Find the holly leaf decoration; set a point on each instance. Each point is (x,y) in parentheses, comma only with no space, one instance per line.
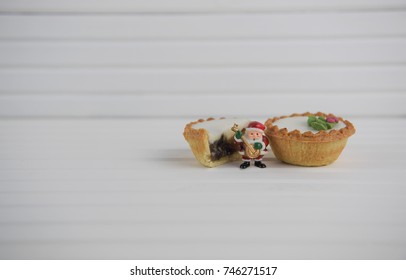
(319,123)
(311,119)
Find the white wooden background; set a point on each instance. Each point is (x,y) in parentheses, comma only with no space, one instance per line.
(94,96)
(143,58)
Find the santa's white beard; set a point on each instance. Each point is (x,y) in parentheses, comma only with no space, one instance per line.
(256,140)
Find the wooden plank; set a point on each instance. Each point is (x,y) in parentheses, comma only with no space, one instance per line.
(162,27)
(125,6)
(203,105)
(187,230)
(204,53)
(72,176)
(198,80)
(289,248)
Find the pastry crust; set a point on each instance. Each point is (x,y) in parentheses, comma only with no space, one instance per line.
(307,148)
(321,136)
(198,140)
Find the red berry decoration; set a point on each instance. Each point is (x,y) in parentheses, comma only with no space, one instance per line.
(322,123)
(332,120)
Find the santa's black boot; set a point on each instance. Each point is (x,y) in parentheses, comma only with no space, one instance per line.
(245,164)
(260,164)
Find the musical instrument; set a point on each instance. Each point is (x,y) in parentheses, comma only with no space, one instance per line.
(250,151)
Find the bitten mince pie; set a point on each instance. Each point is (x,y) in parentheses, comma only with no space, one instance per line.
(212,140)
(308,139)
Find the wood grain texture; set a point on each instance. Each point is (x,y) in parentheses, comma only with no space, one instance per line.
(95,189)
(201,105)
(181,80)
(176,6)
(253,53)
(205,26)
(137,58)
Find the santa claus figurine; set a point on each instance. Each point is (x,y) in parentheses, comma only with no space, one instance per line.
(253,144)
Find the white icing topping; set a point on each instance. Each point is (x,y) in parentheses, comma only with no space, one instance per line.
(300,123)
(216,128)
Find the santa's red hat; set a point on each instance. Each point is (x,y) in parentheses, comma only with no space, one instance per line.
(255,126)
